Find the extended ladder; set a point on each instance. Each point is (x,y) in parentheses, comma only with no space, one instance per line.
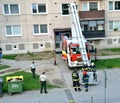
(77,33)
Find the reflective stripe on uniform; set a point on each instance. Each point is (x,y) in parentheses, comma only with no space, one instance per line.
(75,79)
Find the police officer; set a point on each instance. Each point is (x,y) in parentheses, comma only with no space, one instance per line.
(33,67)
(76,80)
(85,80)
(43,81)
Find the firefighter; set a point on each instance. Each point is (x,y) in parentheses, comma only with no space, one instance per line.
(85,80)
(64,55)
(85,68)
(92,66)
(76,80)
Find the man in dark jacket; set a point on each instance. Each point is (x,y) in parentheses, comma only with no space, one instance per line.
(85,80)
(76,80)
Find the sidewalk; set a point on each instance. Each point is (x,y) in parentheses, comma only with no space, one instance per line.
(53,96)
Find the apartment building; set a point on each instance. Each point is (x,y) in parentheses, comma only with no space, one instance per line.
(37,25)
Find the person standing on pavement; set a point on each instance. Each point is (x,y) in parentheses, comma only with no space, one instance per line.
(33,68)
(0,54)
(76,80)
(85,80)
(43,81)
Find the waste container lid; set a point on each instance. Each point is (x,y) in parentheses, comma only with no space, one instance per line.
(14,77)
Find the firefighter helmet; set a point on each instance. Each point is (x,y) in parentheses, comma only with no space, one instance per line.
(92,64)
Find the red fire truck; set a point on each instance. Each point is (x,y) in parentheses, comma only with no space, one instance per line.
(75,48)
(71,52)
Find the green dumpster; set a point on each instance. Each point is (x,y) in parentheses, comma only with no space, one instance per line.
(14,84)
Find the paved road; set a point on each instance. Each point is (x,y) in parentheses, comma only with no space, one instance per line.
(96,94)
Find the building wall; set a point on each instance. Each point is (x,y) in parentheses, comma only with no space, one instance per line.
(112,37)
(54,19)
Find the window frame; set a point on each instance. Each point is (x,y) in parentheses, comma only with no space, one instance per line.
(115,41)
(113,6)
(88,5)
(9,9)
(39,29)
(37,9)
(12,34)
(93,25)
(113,26)
(66,9)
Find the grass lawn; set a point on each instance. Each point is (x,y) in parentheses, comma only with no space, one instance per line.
(107,63)
(30,56)
(29,83)
(11,56)
(109,51)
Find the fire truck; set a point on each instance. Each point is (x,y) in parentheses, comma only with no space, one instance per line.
(72,54)
(76,49)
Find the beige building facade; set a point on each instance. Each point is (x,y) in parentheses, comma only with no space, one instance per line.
(37,25)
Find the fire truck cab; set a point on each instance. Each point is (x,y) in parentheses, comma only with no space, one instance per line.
(72,53)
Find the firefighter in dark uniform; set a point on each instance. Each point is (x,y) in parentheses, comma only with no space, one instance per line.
(85,80)
(92,66)
(76,80)
(85,67)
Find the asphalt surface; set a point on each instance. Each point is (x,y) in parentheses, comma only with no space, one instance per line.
(100,93)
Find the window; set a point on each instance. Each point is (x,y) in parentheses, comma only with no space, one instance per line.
(117,5)
(42,28)
(93,6)
(89,6)
(115,40)
(117,25)
(85,6)
(110,25)
(114,5)
(92,25)
(39,9)
(100,25)
(13,30)
(11,9)
(110,5)
(114,25)
(65,9)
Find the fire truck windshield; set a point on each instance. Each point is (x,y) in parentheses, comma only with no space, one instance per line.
(75,49)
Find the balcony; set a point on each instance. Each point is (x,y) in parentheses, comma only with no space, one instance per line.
(87,15)
(92,35)
(91,21)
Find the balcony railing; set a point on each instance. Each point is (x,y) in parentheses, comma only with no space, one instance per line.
(94,34)
(92,14)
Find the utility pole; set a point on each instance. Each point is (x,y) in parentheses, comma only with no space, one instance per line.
(91,99)
(54,53)
(105,86)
